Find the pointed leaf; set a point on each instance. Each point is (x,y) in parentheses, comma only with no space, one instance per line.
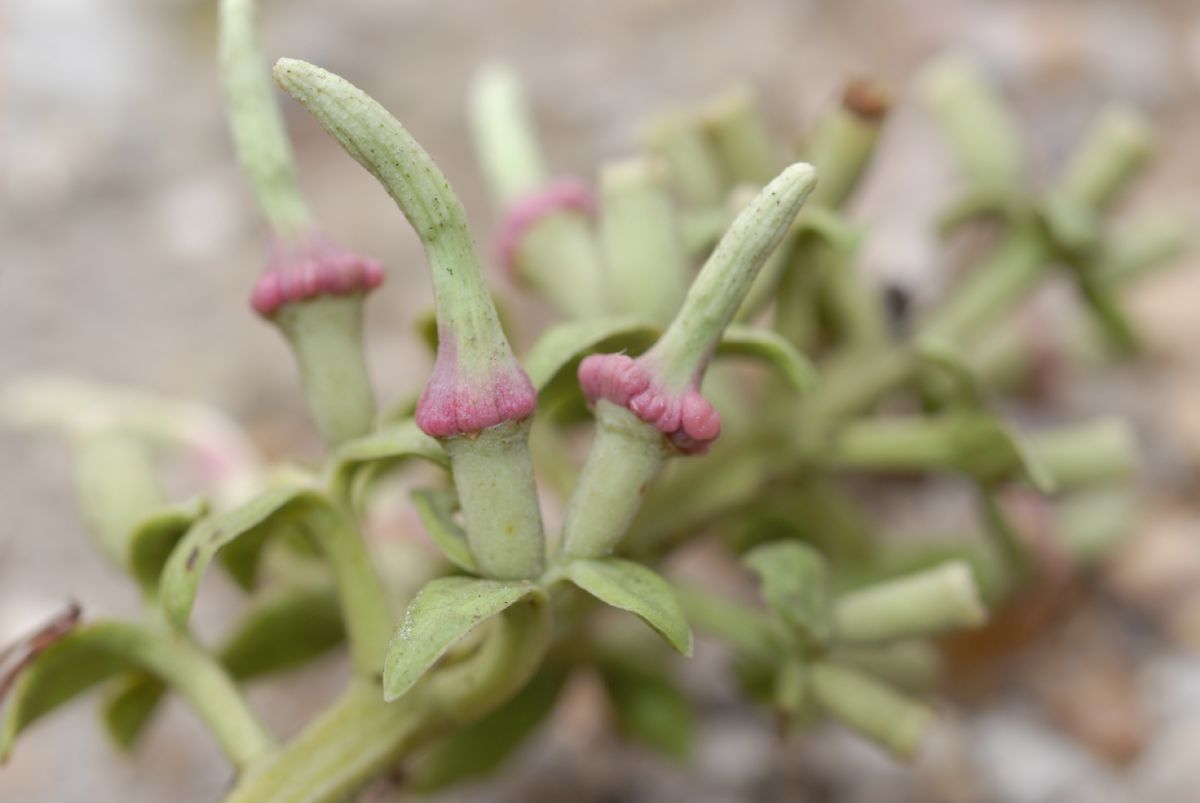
(650,708)
(129,705)
(389,445)
(444,611)
(436,509)
(482,747)
(633,587)
(282,631)
(154,539)
(275,508)
(773,349)
(794,583)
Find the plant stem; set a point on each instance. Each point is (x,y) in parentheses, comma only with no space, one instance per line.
(365,610)
(626,457)
(326,336)
(361,737)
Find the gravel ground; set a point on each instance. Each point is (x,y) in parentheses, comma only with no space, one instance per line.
(131,246)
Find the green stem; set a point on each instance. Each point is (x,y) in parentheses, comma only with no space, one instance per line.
(866,705)
(625,458)
(207,687)
(257,126)
(494,477)
(360,738)
(326,337)
(365,608)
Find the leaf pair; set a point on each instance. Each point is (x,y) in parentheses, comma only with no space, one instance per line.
(449,608)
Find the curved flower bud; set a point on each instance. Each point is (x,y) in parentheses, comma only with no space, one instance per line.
(312,289)
(546,237)
(479,399)
(651,407)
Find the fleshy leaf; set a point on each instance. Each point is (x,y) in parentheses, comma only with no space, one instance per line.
(566,343)
(444,611)
(649,706)
(390,444)
(878,712)
(482,747)
(633,587)
(795,585)
(129,705)
(773,349)
(280,631)
(436,509)
(253,520)
(154,539)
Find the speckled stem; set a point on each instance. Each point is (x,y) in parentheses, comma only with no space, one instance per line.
(624,461)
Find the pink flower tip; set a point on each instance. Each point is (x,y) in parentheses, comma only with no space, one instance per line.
(453,404)
(315,269)
(688,419)
(561,195)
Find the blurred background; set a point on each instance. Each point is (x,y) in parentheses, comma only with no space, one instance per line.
(130,246)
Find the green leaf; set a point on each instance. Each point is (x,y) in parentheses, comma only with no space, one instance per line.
(129,705)
(280,631)
(794,584)
(255,520)
(436,509)
(773,349)
(649,706)
(283,630)
(391,444)
(561,345)
(81,659)
(485,745)
(633,587)
(444,611)
(153,540)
